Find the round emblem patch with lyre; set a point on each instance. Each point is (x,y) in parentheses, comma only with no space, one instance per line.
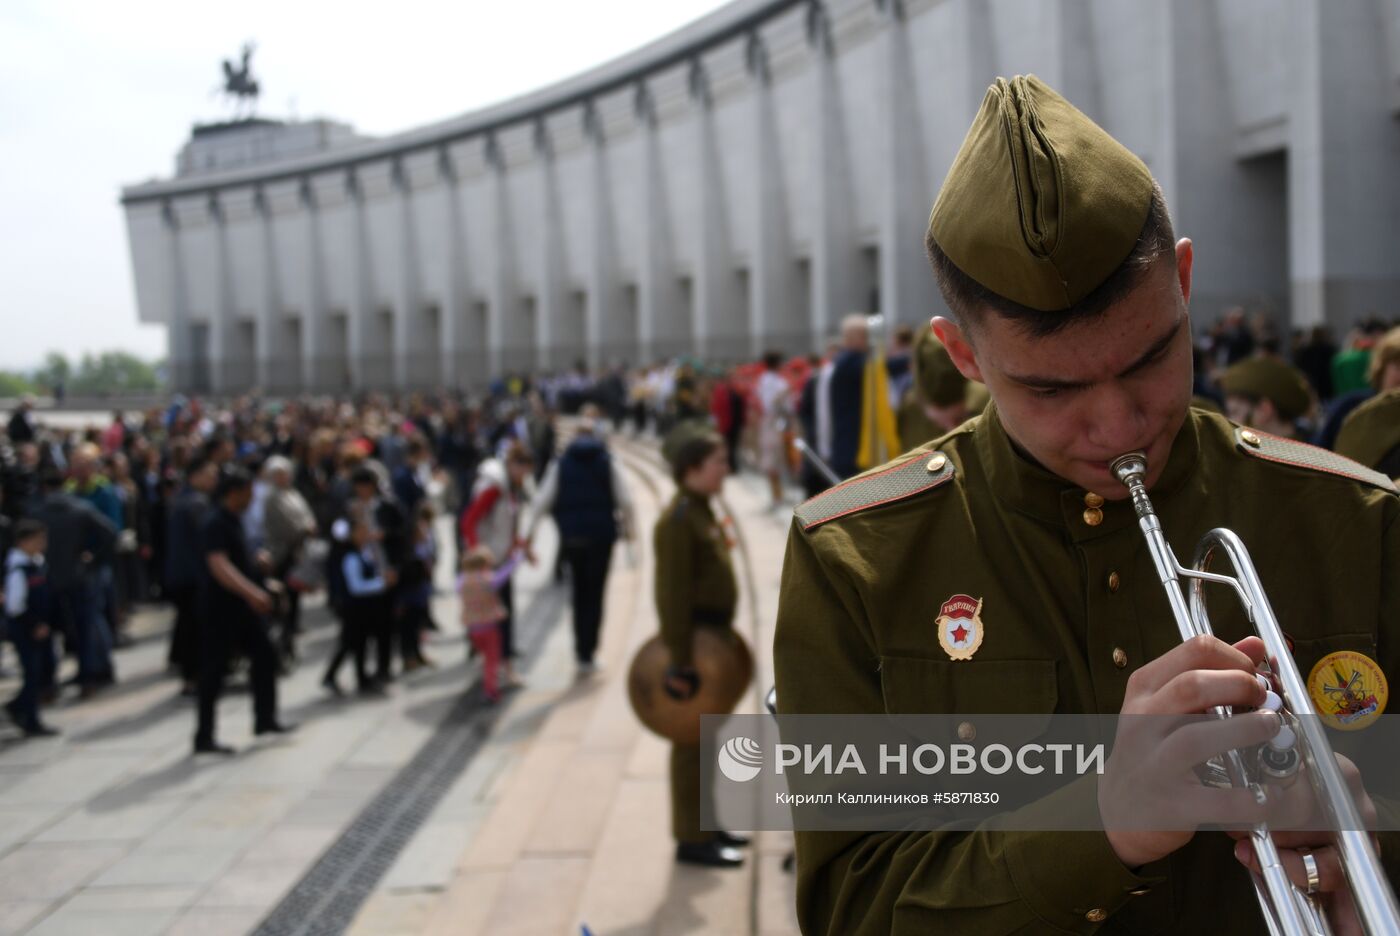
(1348,689)
(960,626)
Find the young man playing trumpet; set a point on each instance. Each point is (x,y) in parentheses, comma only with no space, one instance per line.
(1069,294)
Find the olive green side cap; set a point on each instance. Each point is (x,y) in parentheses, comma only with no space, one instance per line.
(1372,430)
(682,435)
(1269,379)
(939,380)
(1041,205)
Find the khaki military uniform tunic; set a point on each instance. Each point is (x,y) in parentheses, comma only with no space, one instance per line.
(695,587)
(1070,607)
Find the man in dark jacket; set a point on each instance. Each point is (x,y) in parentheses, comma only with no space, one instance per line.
(847,392)
(21,426)
(590,506)
(407,478)
(80,539)
(233,611)
(184,566)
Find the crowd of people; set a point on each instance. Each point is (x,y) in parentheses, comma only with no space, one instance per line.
(234,513)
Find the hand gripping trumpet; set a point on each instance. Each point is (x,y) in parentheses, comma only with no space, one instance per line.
(1288,910)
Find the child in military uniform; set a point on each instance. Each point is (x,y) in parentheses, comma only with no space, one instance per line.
(695,587)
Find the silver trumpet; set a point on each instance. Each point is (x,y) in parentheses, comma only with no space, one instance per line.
(1302,740)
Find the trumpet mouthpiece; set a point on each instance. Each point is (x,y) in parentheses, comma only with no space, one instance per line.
(1130,466)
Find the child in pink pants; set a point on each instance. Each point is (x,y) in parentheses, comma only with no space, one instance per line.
(483,611)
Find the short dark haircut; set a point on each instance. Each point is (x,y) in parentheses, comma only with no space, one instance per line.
(772,360)
(364,476)
(232,478)
(196,464)
(28,528)
(969,299)
(692,452)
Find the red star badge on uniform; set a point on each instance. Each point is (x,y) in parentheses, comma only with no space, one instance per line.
(960,633)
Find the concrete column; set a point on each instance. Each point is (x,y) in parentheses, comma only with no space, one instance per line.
(660,325)
(774,322)
(270,367)
(1234,211)
(1344,192)
(221,326)
(834,255)
(718,332)
(181,350)
(603,333)
(314,369)
(410,347)
(455,273)
(558,333)
(503,317)
(1075,73)
(360,324)
(955,106)
(907,290)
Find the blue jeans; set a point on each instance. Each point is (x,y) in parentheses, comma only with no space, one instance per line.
(79,609)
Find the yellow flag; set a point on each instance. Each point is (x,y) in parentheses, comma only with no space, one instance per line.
(879,439)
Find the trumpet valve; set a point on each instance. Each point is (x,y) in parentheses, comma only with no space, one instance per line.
(1278,757)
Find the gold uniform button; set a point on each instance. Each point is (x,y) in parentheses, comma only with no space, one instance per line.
(1113,581)
(1120,657)
(1249,438)
(1093,516)
(1093,500)
(967,731)
(936,463)
(1096,916)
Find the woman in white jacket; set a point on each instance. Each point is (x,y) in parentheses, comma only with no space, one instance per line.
(503,488)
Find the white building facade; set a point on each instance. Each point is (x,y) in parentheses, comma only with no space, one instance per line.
(743,183)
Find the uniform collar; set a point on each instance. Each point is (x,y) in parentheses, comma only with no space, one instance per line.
(698,501)
(1030,489)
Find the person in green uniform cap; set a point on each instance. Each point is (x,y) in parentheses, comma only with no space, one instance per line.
(1371,434)
(1266,394)
(695,587)
(940,398)
(1069,298)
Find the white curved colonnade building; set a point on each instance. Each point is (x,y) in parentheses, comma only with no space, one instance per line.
(746,181)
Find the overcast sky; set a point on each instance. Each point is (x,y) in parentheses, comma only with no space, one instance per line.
(95,95)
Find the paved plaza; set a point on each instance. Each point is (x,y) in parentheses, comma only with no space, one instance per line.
(421,812)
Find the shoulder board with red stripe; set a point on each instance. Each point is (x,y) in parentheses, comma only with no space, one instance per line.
(1301,455)
(905,478)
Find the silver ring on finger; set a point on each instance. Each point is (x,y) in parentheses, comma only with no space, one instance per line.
(1310,869)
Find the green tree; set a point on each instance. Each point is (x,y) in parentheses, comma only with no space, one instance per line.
(113,372)
(13,385)
(55,370)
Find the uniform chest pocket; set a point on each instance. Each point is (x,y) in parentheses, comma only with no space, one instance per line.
(1307,651)
(913,686)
